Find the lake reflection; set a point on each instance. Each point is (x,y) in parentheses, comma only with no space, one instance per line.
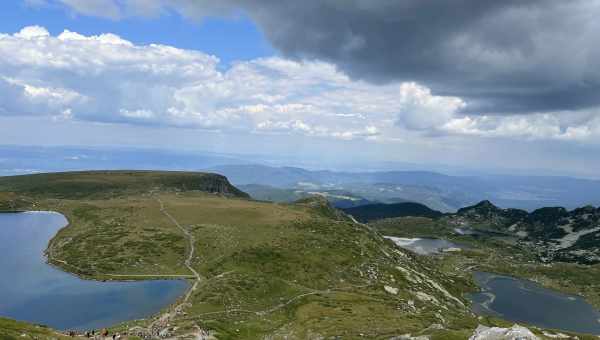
(525,301)
(33,291)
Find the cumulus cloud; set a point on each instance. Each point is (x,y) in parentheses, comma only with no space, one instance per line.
(423,111)
(540,126)
(106,78)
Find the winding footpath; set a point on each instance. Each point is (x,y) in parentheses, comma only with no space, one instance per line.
(163,320)
(191,240)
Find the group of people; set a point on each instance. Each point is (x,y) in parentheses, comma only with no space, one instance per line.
(94,335)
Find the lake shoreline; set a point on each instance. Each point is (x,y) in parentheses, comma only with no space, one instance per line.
(62,276)
(521,300)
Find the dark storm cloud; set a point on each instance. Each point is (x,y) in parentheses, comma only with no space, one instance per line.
(501,56)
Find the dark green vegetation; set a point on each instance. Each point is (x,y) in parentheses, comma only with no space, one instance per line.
(379,211)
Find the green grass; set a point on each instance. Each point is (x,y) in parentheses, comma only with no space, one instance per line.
(269,270)
(15,330)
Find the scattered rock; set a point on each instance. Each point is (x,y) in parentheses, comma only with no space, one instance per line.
(515,332)
(409,337)
(391,290)
(557,335)
(164,333)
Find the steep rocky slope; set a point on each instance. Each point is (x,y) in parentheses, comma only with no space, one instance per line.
(555,233)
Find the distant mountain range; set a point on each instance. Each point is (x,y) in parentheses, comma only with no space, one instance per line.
(343,189)
(337,198)
(437,191)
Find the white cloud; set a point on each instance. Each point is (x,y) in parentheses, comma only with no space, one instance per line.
(106,78)
(423,111)
(32,32)
(542,126)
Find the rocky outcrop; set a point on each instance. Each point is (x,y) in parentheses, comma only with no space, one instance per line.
(487,214)
(219,184)
(515,332)
(323,207)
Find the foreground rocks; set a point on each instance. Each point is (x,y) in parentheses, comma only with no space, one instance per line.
(515,332)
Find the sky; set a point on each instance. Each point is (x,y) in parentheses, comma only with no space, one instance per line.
(473,83)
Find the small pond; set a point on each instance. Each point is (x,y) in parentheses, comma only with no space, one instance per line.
(525,301)
(33,291)
(426,246)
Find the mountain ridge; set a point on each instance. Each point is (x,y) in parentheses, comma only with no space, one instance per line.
(370,212)
(81,184)
(558,234)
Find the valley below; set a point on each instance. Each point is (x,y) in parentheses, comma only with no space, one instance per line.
(264,270)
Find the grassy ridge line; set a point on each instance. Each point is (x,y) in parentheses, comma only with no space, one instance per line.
(103,184)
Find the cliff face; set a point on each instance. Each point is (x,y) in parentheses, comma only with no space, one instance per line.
(219,184)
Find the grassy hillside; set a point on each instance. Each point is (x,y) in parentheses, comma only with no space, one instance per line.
(266,270)
(97,184)
(13,330)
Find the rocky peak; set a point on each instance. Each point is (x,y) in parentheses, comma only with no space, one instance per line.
(322,206)
(547,216)
(485,212)
(482,208)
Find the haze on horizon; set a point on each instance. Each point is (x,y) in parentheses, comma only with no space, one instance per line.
(470,83)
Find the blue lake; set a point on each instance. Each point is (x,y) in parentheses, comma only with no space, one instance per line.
(33,291)
(525,301)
